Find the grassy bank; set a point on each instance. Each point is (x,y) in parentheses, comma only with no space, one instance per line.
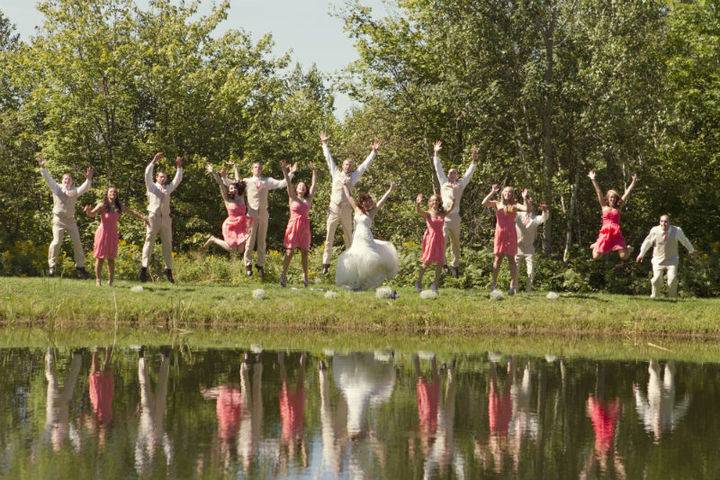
(57,304)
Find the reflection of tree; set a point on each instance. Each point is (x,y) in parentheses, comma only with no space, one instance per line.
(437,420)
(658,411)
(57,420)
(151,429)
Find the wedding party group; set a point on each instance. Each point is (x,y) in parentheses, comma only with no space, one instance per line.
(366,263)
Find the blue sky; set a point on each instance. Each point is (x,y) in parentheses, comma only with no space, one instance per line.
(304,26)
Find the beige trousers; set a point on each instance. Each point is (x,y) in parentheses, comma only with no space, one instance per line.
(657,280)
(161,224)
(451,229)
(529,265)
(338,216)
(257,238)
(60,225)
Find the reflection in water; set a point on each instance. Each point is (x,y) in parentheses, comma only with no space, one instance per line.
(658,411)
(57,417)
(352,415)
(151,428)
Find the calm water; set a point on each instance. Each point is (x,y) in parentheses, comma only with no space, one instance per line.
(166,413)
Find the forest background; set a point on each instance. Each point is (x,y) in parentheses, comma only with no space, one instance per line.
(547,89)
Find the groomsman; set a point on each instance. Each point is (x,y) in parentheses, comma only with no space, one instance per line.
(526,226)
(664,238)
(159,220)
(64,199)
(451,190)
(340,212)
(256,189)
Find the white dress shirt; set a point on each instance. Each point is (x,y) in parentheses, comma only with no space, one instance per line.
(665,251)
(449,190)
(159,195)
(526,225)
(64,199)
(337,194)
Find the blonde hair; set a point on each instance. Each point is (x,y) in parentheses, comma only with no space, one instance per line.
(440,208)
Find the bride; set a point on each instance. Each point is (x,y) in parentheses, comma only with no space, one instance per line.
(368,262)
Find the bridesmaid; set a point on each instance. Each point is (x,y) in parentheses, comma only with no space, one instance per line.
(433,241)
(236,227)
(106,235)
(611,239)
(505,233)
(297,232)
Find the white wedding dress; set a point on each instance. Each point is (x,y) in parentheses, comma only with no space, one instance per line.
(368,262)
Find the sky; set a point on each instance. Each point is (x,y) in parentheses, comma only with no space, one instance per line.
(305,27)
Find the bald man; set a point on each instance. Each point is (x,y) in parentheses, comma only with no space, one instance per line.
(64,198)
(664,239)
(452,188)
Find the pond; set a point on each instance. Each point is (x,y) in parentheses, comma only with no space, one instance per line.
(200,413)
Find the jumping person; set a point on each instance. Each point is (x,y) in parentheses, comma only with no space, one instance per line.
(107,238)
(526,225)
(159,220)
(297,233)
(257,188)
(451,190)
(610,239)
(506,244)
(664,239)
(368,262)
(236,227)
(433,240)
(64,198)
(340,211)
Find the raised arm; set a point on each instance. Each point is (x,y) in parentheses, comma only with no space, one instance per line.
(313,182)
(629,189)
(487,201)
(544,216)
(274,184)
(328,156)
(178,175)
(89,172)
(46,175)
(349,197)
(288,181)
(442,178)
(149,171)
(598,190)
(384,198)
(418,206)
(219,179)
(93,211)
(374,146)
(471,169)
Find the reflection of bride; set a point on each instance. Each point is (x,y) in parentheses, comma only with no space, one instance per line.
(368,262)
(363,381)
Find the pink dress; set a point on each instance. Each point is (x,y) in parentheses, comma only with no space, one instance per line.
(505,233)
(101,388)
(499,410)
(433,241)
(292,412)
(228,409)
(428,400)
(106,236)
(604,416)
(610,238)
(236,227)
(297,233)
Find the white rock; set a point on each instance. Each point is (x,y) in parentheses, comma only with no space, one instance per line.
(550,358)
(428,294)
(137,288)
(329,352)
(331,294)
(425,355)
(383,292)
(497,295)
(258,294)
(494,357)
(552,296)
(256,348)
(383,355)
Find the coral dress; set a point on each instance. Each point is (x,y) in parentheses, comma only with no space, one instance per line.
(236,227)
(433,241)
(101,389)
(428,401)
(228,409)
(499,410)
(106,236)
(297,232)
(610,238)
(604,417)
(505,233)
(292,412)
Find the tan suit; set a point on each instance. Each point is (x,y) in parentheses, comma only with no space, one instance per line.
(256,190)
(159,220)
(340,212)
(665,256)
(526,226)
(64,219)
(448,193)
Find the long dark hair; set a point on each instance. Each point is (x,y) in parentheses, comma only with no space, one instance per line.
(361,202)
(240,187)
(116,203)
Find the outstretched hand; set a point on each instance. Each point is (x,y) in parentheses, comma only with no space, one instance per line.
(208,168)
(638,259)
(437,146)
(89,172)
(495,188)
(158,156)
(633,178)
(591,174)
(474,153)
(324,138)
(375,145)
(283,166)
(41,161)
(293,168)
(179,160)
(419,199)
(525,193)
(392,186)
